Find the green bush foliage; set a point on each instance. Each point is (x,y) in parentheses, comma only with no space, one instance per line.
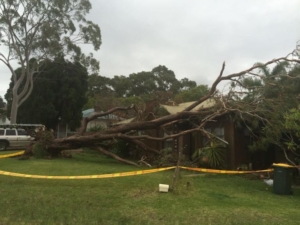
(43,139)
(39,151)
(212,156)
(96,128)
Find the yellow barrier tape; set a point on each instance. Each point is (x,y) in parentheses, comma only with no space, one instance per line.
(124,174)
(284,165)
(226,171)
(132,173)
(11,155)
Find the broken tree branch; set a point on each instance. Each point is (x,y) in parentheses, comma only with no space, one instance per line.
(86,120)
(105,152)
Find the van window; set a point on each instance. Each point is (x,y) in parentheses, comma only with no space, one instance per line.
(2,132)
(10,132)
(22,132)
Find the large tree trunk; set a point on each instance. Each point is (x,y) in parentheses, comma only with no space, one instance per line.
(14,110)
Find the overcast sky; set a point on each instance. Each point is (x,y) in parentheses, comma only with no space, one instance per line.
(190,37)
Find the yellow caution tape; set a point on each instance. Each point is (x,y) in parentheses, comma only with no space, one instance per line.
(124,174)
(283,165)
(132,173)
(12,154)
(226,171)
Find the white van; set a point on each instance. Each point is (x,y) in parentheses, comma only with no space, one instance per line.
(17,136)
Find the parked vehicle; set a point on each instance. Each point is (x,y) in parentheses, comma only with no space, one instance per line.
(19,135)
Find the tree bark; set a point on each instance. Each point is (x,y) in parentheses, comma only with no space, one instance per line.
(14,110)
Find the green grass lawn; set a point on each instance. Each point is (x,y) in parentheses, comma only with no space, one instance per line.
(209,199)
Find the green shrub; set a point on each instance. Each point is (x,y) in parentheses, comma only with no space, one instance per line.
(212,156)
(167,157)
(121,148)
(96,128)
(39,151)
(43,139)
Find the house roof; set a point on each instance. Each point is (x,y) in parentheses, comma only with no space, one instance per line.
(176,109)
(90,112)
(124,122)
(179,108)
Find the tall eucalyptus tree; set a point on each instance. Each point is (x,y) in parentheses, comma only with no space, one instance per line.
(34,30)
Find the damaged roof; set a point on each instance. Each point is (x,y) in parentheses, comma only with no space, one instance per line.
(90,112)
(182,106)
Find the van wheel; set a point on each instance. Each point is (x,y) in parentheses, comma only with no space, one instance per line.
(3,145)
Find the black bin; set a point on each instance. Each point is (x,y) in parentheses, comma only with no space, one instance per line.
(282,179)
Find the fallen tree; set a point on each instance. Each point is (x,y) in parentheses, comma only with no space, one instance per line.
(227,102)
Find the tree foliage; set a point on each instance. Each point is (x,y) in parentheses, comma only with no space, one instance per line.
(58,95)
(159,79)
(2,106)
(159,84)
(2,103)
(292,125)
(273,93)
(141,89)
(192,94)
(43,29)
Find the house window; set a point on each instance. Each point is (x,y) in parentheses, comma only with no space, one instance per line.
(217,132)
(168,143)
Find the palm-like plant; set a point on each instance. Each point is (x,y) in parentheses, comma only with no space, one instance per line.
(212,156)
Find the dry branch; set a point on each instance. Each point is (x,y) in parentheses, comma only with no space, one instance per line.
(105,152)
(142,161)
(86,120)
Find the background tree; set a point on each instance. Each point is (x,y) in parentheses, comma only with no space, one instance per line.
(272,92)
(121,85)
(160,79)
(187,84)
(2,106)
(99,85)
(166,80)
(158,85)
(292,124)
(192,94)
(43,30)
(2,103)
(57,96)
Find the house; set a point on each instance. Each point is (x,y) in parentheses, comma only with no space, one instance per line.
(3,118)
(236,139)
(102,121)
